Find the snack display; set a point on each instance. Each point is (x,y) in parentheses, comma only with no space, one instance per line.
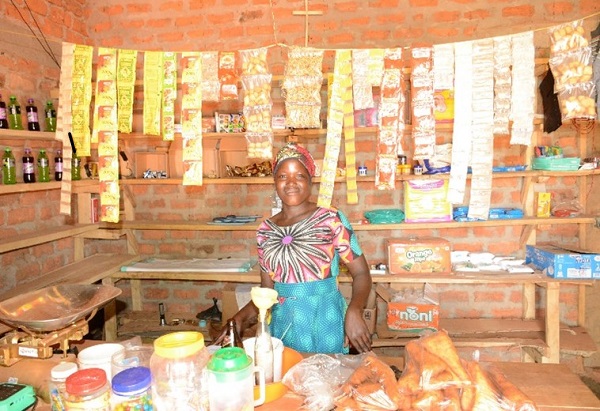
(571,65)
(423,103)
(227,76)
(302,87)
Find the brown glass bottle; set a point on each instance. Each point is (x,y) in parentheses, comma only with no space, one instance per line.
(232,338)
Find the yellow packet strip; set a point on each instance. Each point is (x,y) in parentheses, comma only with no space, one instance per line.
(349,141)
(64,120)
(169,95)
(126,75)
(106,86)
(335,119)
(191,117)
(153,81)
(81,98)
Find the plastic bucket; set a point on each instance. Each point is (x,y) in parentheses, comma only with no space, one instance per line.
(99,356)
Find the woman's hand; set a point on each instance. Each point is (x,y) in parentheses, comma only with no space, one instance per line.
(356,330)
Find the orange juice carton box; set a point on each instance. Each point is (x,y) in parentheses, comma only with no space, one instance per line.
(419,255)
(411,309)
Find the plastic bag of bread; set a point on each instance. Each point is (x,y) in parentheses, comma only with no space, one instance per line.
(318,378)
(372,386)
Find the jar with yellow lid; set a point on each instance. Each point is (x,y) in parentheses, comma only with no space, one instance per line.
(179,376)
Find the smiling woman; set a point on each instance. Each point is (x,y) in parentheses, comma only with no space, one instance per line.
(300,250)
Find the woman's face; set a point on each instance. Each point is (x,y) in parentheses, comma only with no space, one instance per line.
(293,183)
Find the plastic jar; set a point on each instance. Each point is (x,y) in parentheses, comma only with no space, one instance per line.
(88,390)
(178,367)
(57,385)
(131,389)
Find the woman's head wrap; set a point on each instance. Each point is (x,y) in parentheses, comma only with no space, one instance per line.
(293,150)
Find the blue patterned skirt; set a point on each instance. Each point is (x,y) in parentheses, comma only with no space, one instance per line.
(310,316)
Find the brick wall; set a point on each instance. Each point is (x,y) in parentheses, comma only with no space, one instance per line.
(26,70)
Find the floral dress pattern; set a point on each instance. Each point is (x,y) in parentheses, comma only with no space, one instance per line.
(303,261)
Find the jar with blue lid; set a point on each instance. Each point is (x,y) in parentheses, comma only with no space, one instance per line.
(131,389)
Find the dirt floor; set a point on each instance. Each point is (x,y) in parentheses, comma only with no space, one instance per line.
(591,378)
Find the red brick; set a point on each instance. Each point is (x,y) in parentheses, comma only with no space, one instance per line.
(556,8)
(423,3)
(518,11)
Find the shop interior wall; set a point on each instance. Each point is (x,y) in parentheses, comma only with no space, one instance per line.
(28,71)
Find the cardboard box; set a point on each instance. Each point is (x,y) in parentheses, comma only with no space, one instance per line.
(558,262)
(370,311)
(409,310)
(419,255)
(426,201)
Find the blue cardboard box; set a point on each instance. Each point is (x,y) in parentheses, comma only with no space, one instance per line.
(558,262)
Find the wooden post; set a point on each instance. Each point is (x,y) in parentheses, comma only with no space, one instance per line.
(306,12)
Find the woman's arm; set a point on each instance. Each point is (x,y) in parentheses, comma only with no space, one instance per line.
(354,324)
(246,317)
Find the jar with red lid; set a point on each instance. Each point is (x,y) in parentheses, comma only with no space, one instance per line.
(88,390)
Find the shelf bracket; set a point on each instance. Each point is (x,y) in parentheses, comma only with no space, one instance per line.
(597,224)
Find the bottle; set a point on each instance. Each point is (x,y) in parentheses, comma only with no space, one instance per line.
(28,167)
(50,116)
(232,338)
(161,313)
(9,175)
(33,122)
(43,166)
(263,349)
(75,168)
(58,166)
(15,122)
(57,385)
(3,114)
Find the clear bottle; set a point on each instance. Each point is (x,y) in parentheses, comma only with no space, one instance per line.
(88,390)
(58,165)
(28,167)
(9,169)
(178,367)
(3,114)
(57,386)
(43,166)
(15,122)
(75,168)
(232,338)
(263,349)
(33,121)
(50,116)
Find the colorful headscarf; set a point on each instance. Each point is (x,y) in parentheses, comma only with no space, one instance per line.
(293,150)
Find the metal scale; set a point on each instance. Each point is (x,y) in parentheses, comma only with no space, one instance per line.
(50,317)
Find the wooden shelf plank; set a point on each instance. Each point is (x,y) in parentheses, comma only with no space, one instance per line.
(203,226)
(28,188)
(27,135)
(44,236)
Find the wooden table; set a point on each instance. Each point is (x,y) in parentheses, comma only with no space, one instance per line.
(553,387)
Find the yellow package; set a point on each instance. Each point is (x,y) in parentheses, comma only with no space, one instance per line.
(425,201)
(543,205)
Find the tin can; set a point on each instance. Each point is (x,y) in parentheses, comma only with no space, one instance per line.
(418,170)
(362,171)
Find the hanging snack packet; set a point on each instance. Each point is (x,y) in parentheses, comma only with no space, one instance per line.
(227,75)
(302,87)
(210,76)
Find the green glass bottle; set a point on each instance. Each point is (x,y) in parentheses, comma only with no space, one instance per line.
(50,116)
(15,122)
(43,167)
(75,168)
(9,167)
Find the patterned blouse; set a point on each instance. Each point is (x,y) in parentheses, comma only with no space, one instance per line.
(308,250)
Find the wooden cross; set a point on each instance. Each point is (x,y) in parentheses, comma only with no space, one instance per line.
(306,12)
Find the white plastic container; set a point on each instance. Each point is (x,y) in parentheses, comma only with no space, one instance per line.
(99,356)
(57,387)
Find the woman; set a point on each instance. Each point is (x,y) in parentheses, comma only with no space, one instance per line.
(299,251)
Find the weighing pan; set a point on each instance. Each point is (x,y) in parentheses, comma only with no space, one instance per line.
(53,308)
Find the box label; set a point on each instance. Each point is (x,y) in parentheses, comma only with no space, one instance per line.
(406,316)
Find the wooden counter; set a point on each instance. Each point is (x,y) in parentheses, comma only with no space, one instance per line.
(553,387)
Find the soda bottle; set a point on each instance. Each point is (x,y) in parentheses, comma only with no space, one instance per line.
(3,114)
(15,121)
(58,166)
(232,338)
(75,168)
(9,174)
(43,167)
(50,116)
(28,167)
(33,122)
